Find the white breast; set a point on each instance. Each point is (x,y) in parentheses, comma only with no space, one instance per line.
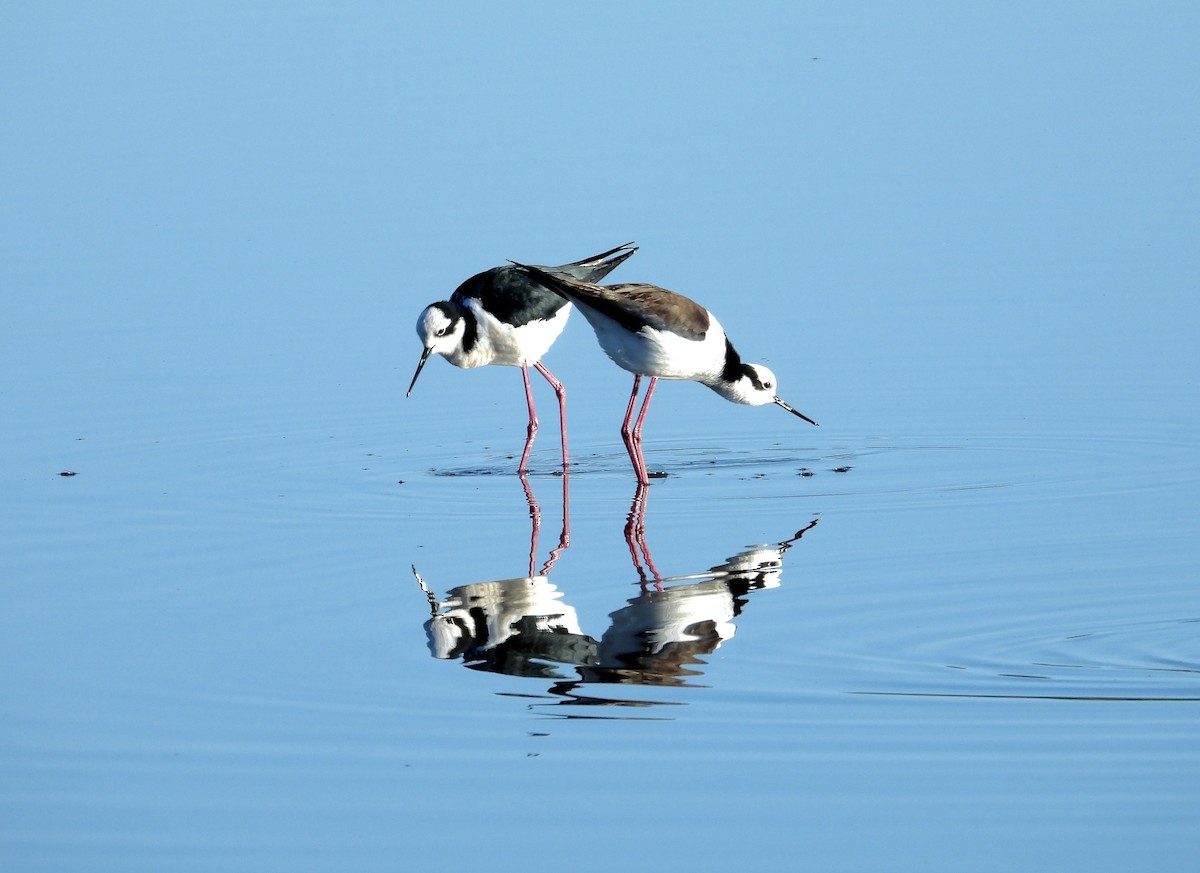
(661,353)
(501,344)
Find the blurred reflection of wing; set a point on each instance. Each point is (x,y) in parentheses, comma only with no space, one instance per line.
(659,638)
(663,634)
(656,637)
(509,626)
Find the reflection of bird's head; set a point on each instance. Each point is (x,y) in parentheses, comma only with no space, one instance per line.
(480,616)
(448,637)
(754,560)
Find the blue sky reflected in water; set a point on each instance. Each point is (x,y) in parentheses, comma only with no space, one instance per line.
(963,236)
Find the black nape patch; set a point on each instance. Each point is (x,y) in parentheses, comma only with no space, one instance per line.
(734,368)
(455,313)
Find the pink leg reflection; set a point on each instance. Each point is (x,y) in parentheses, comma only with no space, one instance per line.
(635,538)
(535,515)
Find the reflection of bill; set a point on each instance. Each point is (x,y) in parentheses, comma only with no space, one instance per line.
(662,630)
(523,627)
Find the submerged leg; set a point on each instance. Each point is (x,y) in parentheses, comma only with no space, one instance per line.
(635,538)
(535,516)
(564,539)
(561,393)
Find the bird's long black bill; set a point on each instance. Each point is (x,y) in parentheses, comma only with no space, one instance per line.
(779,402)
(424,358)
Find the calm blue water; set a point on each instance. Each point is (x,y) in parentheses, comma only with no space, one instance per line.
(283,618)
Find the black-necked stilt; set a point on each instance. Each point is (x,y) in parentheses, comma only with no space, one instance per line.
(504,316)
(653,332)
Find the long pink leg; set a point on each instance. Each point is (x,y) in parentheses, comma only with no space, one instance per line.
(561,393)
(636,435)
(627,432)
(533,423)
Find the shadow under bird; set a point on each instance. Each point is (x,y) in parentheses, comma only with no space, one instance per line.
(653,332)
(507,317)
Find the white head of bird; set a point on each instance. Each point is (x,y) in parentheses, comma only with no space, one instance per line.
(442,329)
(756,386)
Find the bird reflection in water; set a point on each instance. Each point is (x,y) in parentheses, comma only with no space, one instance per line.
(523,627)
(513,625)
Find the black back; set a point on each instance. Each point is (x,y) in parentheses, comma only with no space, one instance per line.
(509,295)
(516,298)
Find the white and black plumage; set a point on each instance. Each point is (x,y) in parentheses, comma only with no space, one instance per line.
(506,317)
(653,332)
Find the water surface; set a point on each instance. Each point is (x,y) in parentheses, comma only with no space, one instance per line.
(281,617)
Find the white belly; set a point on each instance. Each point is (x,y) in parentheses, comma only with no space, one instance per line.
(502,345)
(662,354)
